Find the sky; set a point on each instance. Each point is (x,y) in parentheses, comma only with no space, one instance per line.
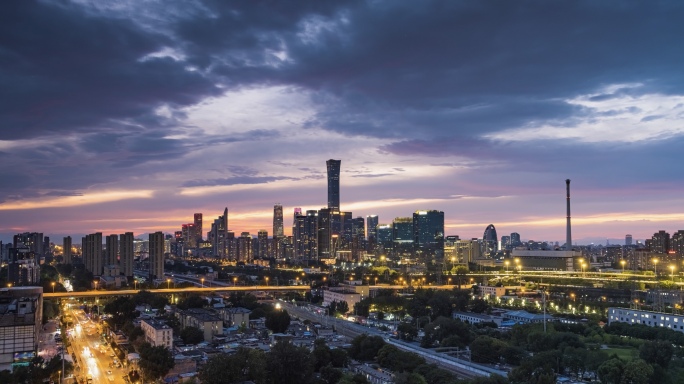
(133,115)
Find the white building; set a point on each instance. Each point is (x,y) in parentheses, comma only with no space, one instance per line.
(350,297)
(475,318)
(652,319)
(157,333)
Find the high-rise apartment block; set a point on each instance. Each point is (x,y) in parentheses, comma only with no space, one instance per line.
(156,258)
(628,239)
(66,250)
(92,253)
(278,229)
(126,253)
(111,250)
(660,242)
(245,247)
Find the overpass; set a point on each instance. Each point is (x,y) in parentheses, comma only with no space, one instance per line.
(168,291)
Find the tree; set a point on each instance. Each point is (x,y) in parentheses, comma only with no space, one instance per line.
(637,372)
(479,306)
(287,364)
(365,347)
(657,352)
(610,372)
(155,362)
(278,321)
(407,331)
(409,378)
(321,354)
(485,349)
(331,375)
(245,365)
(192,335)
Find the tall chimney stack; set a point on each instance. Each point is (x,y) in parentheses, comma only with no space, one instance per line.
(568,235)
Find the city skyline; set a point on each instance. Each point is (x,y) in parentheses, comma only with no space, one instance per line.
(131,118)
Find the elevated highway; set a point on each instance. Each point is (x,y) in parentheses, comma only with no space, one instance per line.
(168,291)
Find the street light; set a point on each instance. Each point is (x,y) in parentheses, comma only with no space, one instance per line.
(135,284)
(202,280)
(95,282)
(168,283)
(623,262)
(506,264)
(234,281)
(53,287)
(672,273)
(267,280)
(376,280)
(655,268)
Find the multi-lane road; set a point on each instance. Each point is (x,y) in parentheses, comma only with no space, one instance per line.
(93,357)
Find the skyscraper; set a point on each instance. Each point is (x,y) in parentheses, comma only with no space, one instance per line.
(628,239)
(199,236)
(490,240)
(156,258)
(515,239)
(111,250)
(278,231)
(219,234)
(428,231)
(126,253)
(66,250)
(402,235)
(372,231)
(333,184)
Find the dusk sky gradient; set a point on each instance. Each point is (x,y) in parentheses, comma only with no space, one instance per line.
(133,115)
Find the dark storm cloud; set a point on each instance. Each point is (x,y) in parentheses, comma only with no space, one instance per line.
(63,70)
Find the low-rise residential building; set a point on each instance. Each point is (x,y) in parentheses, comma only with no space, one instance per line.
(234,316)
(157,333)
(525,317)
(373,375)
(207,321)
(650,318)
(474,318)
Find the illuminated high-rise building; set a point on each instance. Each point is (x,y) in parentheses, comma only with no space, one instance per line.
(262,244)
(245,247)
(126,253)
(372,231)
(428,232)
(66,250)
(111,250)
(305,236)
(660,242)
(278,230)
(402,236)
(333,184)
(156,258)
(199,236)
(385,241)
(219,235)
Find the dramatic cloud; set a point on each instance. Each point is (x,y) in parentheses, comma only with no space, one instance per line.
(147,111)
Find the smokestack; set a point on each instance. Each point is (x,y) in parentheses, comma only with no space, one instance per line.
(568,235)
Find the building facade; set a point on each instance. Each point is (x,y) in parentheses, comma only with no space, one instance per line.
(157,333)
(156,258)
